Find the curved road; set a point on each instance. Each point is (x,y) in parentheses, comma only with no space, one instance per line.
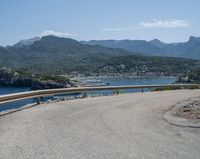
(127,126)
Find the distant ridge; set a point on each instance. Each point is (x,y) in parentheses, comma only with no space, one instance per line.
(155,47)
(189,49)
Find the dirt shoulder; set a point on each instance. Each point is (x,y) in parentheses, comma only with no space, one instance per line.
(185,113)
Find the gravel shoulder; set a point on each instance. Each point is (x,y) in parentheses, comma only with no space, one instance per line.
(190,109)
(185,113)
(126,126)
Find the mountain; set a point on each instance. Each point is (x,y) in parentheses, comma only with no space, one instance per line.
(157,43)
(140,46)
(55,54)
(189,49)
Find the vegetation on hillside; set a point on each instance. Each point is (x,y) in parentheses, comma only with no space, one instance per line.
(193,76)
(54,55)
(9,77)
(148,64)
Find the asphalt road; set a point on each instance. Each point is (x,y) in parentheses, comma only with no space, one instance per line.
(115,127)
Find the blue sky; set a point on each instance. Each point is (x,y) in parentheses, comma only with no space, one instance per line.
(167,20)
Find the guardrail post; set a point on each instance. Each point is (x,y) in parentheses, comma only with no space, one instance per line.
(84,94)
(38,100)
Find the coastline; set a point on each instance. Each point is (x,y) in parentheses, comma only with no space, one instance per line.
(122,80)
(112,81)
(122,76)
(12,78)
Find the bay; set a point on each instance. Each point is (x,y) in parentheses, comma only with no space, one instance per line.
(111,81)
(118,81)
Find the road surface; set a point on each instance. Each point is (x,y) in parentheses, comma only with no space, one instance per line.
(127,126)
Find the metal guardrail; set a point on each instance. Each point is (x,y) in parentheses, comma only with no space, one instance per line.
(48,92)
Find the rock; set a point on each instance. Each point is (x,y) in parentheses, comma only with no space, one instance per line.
(191,110)
(15,79)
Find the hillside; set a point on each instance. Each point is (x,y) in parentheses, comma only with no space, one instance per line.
(189,49)
(193,76)
(149,65)
(12,78)
(57,55)
(54,54)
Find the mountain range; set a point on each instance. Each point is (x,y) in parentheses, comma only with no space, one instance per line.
(189,49)
(54,54)
(51,54)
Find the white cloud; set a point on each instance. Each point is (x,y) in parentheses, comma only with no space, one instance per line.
(55,33)
(165,24)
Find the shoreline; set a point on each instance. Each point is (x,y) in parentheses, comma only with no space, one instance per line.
(111,77)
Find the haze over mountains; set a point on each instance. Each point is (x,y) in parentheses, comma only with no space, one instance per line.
(26,42)
(189,49)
